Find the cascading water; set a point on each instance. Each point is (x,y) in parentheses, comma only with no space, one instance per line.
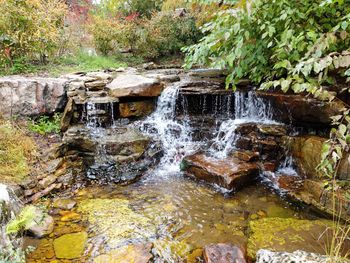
(174,134)
(248,109)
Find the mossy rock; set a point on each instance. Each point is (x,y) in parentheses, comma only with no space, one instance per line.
(116,221)
(70,246)
(171,249)
(287,234)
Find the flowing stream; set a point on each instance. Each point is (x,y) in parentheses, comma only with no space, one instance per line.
(177,215)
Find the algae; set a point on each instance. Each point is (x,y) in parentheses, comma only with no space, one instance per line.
(286,234)
(114,219)
(70,246)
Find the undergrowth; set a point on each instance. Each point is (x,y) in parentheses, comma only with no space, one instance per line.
(16,151)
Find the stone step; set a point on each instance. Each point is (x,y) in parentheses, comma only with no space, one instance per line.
(230,173)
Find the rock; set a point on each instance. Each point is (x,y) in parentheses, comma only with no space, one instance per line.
(118,223)
(195,256)
(229,173)
(207,73)
(132,85)
(31,96)
(272,129)
(223,253)
(67,115)
(344,168)
(65,204)
(299,256)
(300,109)
(70,216)
(96,85)
(43,224)
(70,246)
(313,192)
(306,151)
(47,181)
(136,109)
(99,75)
(287,234)
(136,253)
(290,183)
(127,143)
(246,156)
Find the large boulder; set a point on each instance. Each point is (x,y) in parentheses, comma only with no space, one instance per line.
(230,173)
(43,224)
(133,85)
(31,96)
(306,151)
(301,109)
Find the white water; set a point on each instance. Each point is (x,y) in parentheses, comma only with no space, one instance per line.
(248,109)
(175,135)
(4,194)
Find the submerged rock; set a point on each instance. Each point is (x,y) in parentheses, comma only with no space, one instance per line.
(116,220)
(288,234)
(66,204)
(70,246)
(135,253)
(299,256)
(223,253)
(230,173)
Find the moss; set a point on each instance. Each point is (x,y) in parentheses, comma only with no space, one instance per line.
(16,151)
(116,221)
(70,246)
(285,234)
(170,249)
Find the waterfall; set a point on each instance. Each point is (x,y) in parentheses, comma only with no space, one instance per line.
(248,109)
(175,135)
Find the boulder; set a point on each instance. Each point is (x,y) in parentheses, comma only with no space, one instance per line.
(288,234)
(298,256)
(301,109)
(230,173)
(313,192)
(42,225)
(223,253)
(136,108)
(136,253)
(132,85)
(31,96)
(70,246)
(306,151)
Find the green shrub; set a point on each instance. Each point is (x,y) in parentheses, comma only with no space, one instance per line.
(30,29)
(45,124)
(23,221)
(161,35)
(165,34)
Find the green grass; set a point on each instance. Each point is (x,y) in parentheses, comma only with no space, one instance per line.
(70,64)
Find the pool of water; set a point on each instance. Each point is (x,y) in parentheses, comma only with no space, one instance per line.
(174,213)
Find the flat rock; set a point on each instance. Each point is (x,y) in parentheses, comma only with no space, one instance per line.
(132,85)
(223,253)
(136,253)
(70,246)
(230,173)
(66,204)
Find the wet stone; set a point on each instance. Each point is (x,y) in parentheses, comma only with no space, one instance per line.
(70,246)
(66,204)
(229,173)
(223,253)
(136,253)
